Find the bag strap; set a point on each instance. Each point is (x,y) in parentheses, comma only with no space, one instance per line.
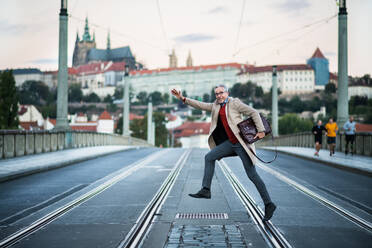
(266,162)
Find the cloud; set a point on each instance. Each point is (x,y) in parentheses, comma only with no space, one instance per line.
(9,28)
(44,61)
(218,10)
(293,5)
(191,38)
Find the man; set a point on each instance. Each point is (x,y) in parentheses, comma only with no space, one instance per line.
(318,133)
(331,135)
(224,140)
(350,130)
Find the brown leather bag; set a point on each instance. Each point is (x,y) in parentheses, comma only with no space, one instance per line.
(248,131)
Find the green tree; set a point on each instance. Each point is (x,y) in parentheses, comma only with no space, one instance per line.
(166,97)
(156,98)
(142,98)
(92,97)
(108,99)
(75,94)
(118,94)
(206,97)
(33,92)
(330,88)
(291,123)
(8,101)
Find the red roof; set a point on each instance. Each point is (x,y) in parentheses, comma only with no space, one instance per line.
(363,127)
(29,125)
(333,76)
(318,54)
(269,68)
(192,128)
(105,116)
(134,116)
(171,117)
(100,67)
(189,68)
(71,71)
(92,128)
(22,110)
(53,121)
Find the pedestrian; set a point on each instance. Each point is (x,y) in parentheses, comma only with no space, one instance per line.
(350,130)
(332,128)
(318,134)
(224,140)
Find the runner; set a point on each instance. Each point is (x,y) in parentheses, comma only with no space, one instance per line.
(350,130)
(318,134)
(331,135)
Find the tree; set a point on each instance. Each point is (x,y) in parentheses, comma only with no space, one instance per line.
(92,97)
(75,94)
(108,99)
(291,123)
(142,98)
(156,98)
(166,98)
(8,101)
(330,88)
(118,94)
(33,92)
(258,92)
(206,97)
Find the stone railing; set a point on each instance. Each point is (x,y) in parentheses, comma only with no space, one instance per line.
(14,143)
(362,145)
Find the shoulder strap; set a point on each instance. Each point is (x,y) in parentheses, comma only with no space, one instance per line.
(266,162)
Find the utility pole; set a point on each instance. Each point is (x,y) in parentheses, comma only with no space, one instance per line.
(342,88)
(149,121)
(126,131)
(62,90)
(274,99)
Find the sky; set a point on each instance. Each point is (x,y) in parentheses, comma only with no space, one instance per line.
(260,32)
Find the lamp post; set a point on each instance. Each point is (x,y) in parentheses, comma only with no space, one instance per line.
(126,131)
(274,98)
(62,90)
(342,88)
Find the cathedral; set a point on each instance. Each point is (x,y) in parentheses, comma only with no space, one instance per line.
(85,51)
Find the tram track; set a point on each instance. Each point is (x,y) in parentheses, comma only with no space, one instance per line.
(52,216)
(364,224)
(139,231)
(270,233)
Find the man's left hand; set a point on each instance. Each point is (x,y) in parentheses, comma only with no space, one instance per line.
(260,135)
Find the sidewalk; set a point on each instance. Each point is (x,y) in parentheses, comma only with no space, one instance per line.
(357,163)
(26,165)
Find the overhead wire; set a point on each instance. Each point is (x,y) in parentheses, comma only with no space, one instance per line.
(162,25)
(239,27)
(285,33)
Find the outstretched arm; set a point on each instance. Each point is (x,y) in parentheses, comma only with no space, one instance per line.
(194,103)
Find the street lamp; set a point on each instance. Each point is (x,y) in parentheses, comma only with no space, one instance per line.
(126,131)
(274,98)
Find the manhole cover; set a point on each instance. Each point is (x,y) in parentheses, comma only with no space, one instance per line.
(214,216)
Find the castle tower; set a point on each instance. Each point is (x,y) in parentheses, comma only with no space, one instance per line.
(108,41)
(321,67)
(83,46)
(189,60)
(173,60)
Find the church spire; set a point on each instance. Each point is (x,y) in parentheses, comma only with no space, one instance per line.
(189,60)
(173,60)
(86,35)
(77,36)
(108,41)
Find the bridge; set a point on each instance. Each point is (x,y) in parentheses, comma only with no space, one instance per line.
(122,193)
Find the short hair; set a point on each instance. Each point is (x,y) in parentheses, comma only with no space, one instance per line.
(225,88)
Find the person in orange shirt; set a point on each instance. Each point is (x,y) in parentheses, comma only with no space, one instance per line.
(331,135)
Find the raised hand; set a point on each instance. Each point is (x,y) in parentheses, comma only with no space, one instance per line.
(177,93)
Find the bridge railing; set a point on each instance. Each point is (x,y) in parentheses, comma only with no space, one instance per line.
(362,144)
(14,143)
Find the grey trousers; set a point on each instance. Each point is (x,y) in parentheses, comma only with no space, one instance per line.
(225,149)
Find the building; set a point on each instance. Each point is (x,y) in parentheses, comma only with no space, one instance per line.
(360,90)
(100,77)
(193,134)
(320,65)
(195,80)
(85,51)
(105,123)
(27,74)
(292,79)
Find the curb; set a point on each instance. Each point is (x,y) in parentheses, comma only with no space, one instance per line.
(329,163)
(55,165)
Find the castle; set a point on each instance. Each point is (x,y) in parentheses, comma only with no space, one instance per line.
(85,51)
